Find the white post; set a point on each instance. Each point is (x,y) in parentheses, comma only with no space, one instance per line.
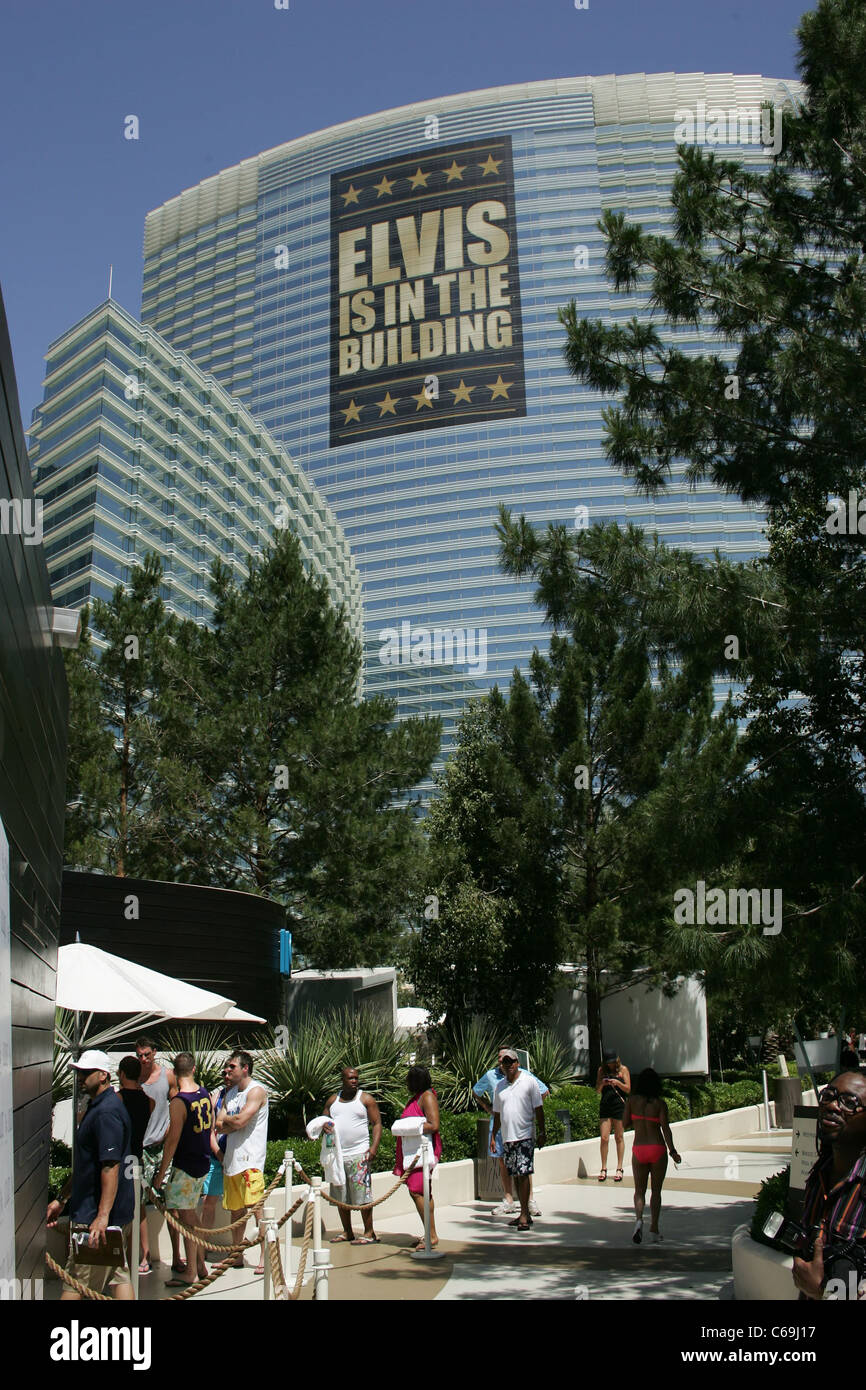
(288,1159)
(134,1253)
(766,1100)
(428,1253)
(266,1228)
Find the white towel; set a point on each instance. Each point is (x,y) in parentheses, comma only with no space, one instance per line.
(330,1154)
(414,1126)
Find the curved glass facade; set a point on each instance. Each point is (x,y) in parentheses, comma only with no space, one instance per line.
(248,274)
(136,449)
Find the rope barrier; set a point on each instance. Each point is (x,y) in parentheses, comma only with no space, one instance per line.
(362,1206)
(159,1199)
(75,1283)
(308,1237)
(278,1279)
(187,1231)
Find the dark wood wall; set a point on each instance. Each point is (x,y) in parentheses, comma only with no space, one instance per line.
(221,940)
(33,716)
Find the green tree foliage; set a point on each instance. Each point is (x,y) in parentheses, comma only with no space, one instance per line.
(125,789)
(571,811)
(772,264)
(241,756)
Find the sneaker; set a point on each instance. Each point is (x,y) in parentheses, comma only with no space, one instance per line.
(533,1207)
(507,1207)
(638,1231)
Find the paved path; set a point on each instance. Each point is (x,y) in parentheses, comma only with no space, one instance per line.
(581,1247)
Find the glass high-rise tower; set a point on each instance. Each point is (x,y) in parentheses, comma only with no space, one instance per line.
(135,449)
(383,295)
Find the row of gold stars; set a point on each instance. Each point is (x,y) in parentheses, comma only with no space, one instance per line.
(454,173)
(388,406)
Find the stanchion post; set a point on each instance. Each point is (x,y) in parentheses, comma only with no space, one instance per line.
(135,1241)
(266,1230)
(428,1253)
(766,1101)
(289,1160)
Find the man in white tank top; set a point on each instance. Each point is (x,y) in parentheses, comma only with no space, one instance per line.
(244,1119)
(354,1112)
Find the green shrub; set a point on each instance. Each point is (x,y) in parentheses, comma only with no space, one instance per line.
(678,1107)
(582,1104)
(57,1179)
(60,1154)
(459,1134)
(714,1097)
(772,1197)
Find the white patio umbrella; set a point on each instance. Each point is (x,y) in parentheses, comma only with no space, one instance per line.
(91,981)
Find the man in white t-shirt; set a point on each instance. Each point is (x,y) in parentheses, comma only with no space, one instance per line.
(244,1119)
(517,1111)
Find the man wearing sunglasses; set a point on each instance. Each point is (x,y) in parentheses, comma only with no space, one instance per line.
(835,1200)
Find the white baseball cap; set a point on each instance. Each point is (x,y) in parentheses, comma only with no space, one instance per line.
(93,1061)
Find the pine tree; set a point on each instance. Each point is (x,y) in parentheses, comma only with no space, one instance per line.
(773,264)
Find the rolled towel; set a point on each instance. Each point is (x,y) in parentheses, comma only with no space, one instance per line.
(315,1127)
(413,1127)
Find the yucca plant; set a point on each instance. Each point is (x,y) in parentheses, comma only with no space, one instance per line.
(61,1074)
(469,1050)
(301,1075)
(367,1041)
(548,1058)
(209,1043)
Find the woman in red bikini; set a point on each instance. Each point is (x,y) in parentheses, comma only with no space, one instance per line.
(653,1141)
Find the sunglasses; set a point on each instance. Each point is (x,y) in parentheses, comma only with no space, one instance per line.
(847,1100)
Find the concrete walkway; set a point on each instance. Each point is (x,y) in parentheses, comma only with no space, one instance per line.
(581,1247)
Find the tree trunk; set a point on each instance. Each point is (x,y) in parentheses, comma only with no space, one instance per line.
(593,1011)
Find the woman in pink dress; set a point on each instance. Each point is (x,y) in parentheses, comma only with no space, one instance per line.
(423,1103)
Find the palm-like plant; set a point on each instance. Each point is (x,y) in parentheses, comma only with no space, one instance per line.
(61,1075)
(301,1075)
(470,1049)
(209,1044)
(548,1058)
(367,1041)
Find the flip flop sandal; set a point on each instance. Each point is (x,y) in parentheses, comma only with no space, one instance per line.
(519,1225)
(618,1178)
(338,1240)
(145,1268)
(366,1240)
(177,1284)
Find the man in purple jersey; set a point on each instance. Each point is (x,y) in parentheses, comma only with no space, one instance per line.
(187,1145)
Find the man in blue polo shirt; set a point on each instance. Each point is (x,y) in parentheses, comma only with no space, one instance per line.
(102,1189)
(485,1089)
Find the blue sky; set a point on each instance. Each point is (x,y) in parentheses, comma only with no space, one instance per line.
(215,81)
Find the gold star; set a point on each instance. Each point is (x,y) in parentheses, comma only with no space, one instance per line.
(418,180)
(351,196)
(463,392)
(385,186)
(490,165)
(455,171)
(423,399)
(499,388)
(388,406)
(351,413)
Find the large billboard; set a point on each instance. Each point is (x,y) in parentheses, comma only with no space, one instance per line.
(425,296)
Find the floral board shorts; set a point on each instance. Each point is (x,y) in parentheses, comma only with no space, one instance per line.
(519,1157)
(359,1182)
(182,1192)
